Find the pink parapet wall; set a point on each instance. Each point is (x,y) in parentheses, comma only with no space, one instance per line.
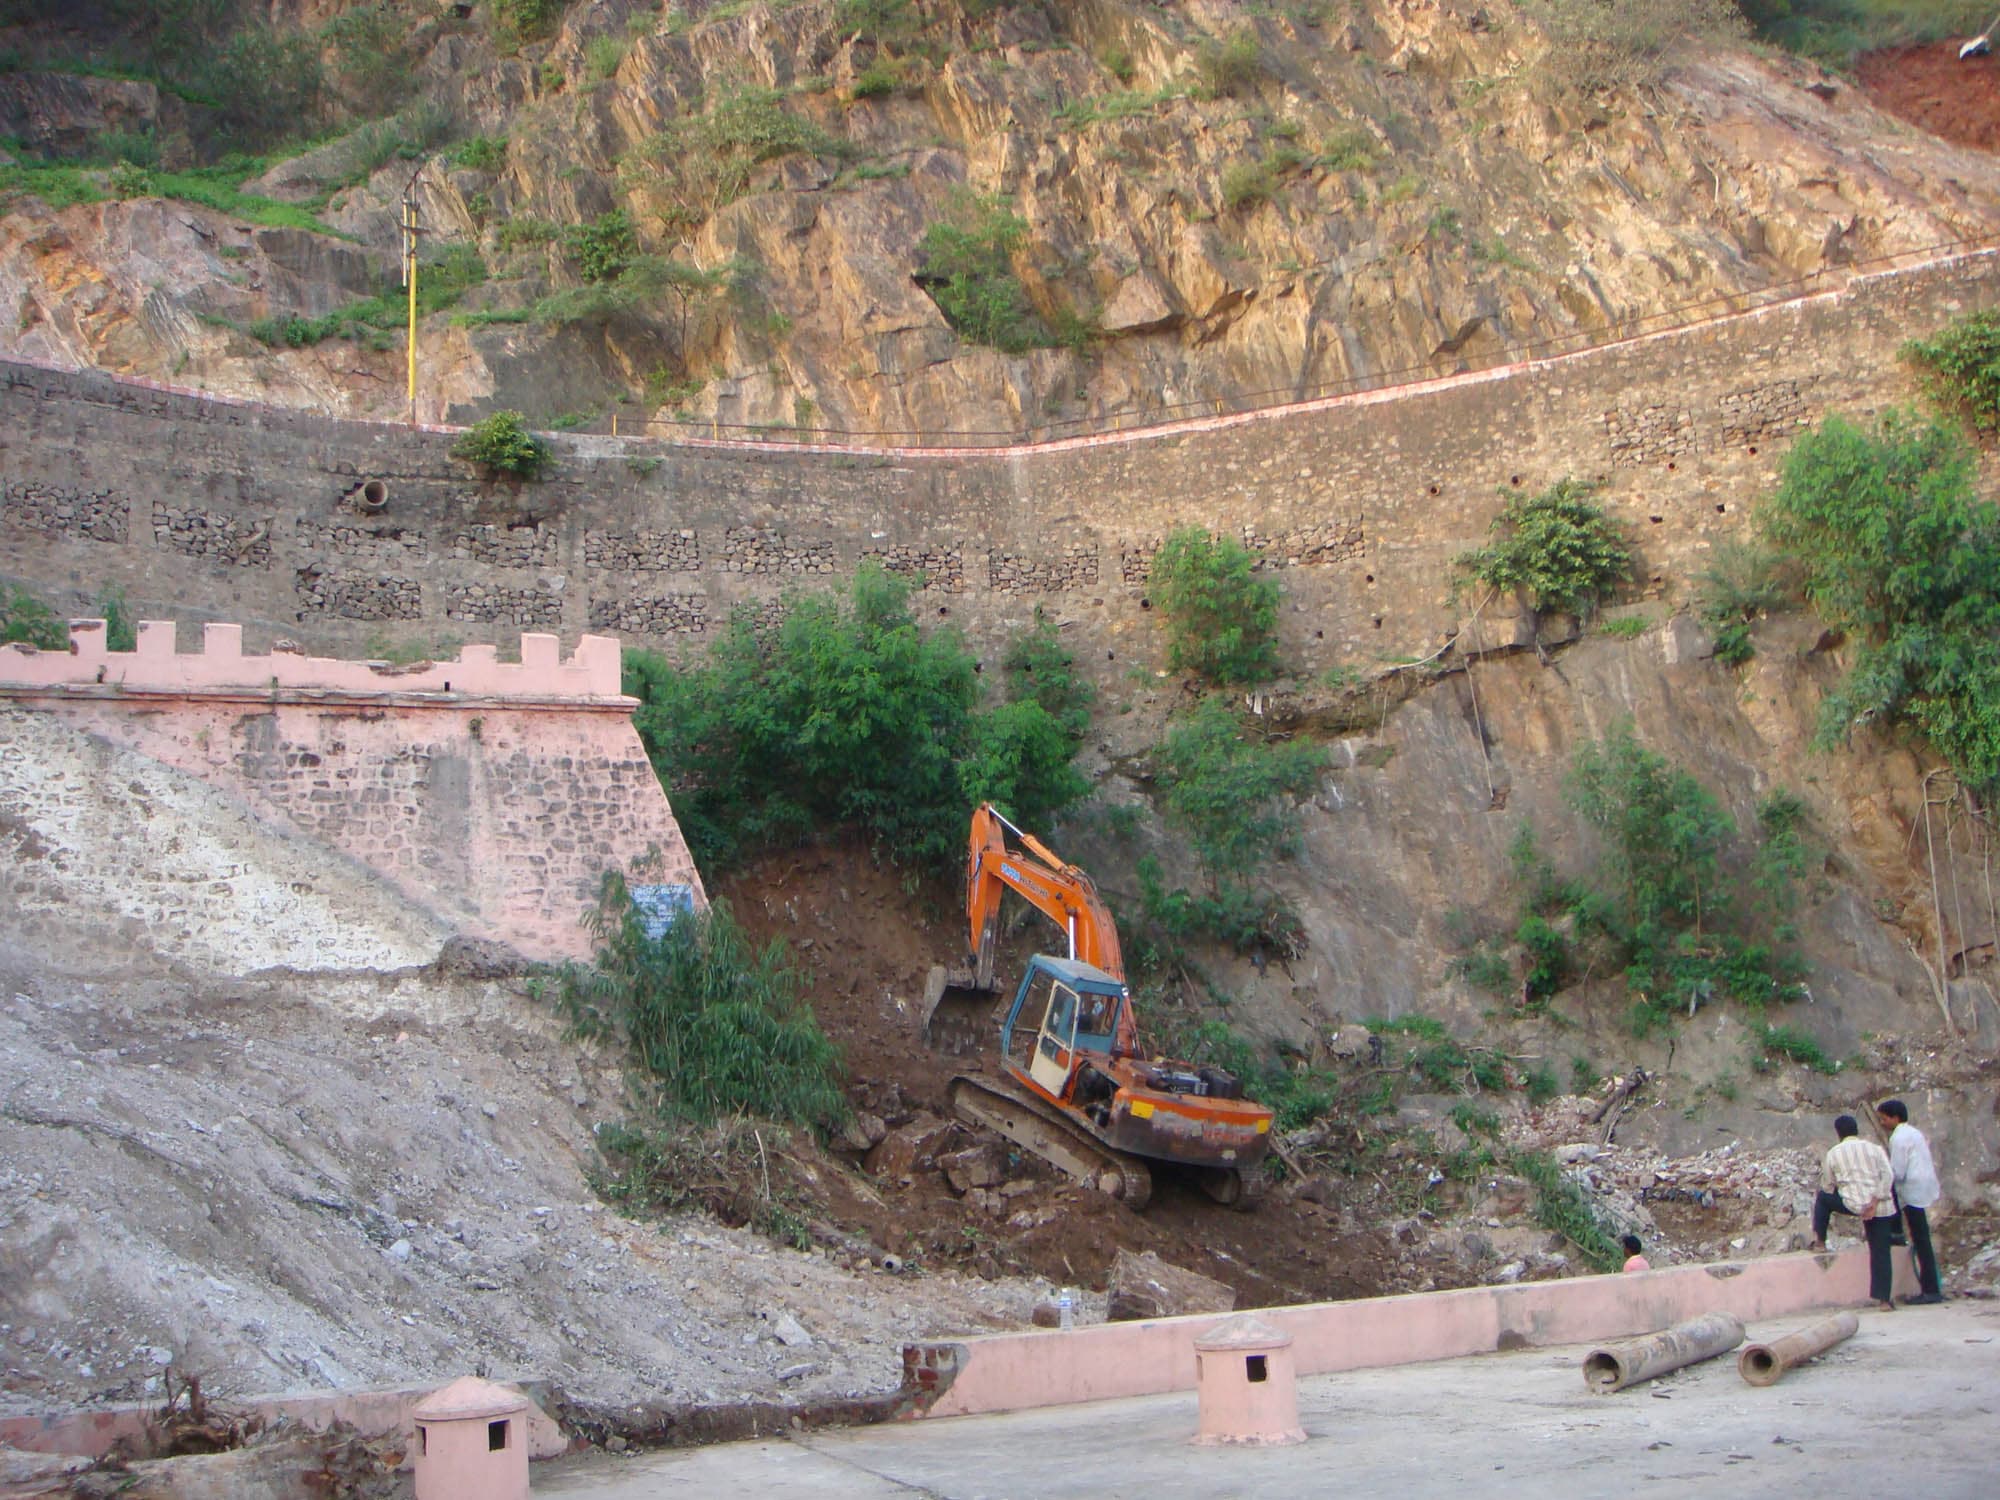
(1014,1371)
(494,794)
(592,674)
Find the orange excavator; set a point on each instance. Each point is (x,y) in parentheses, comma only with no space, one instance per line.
(1072,1083)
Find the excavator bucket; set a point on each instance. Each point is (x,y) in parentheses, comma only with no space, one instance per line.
(958,1017)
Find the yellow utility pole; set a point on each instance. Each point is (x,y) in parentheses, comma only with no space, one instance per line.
(410,233)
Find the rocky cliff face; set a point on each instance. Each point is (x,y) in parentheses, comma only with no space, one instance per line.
(1214,208)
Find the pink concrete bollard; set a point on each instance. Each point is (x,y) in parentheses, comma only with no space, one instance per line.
(1247,1385)
(472,1442)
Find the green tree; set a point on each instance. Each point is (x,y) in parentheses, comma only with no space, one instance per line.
(1221,618)
(1040,667)
(843,714)
(1664,833)
(1232,795)
(1665,894)
(1558,547)
(968,269)
(604,247)
(1895,548)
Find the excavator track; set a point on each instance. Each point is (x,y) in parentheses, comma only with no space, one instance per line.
(1044,1130)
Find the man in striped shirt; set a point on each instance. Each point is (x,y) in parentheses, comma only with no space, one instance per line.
(1856,1179)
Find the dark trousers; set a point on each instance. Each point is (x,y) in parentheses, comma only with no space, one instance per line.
(1920,1249)
(1880,1275)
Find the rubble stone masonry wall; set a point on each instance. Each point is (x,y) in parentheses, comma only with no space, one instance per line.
(493,794)
(1360,503)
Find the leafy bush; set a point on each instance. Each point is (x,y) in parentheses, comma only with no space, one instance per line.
(482,153)
(713,1026)
(1800,1046)
(265,83)
(1664,895)
(513,234)
(881,78)
(1430,1055)
(372,65)
(1483,969)
(841,714)
(1542,1084)
(1038,666)
(25,620)
(1232,912)
(440,283)
(1245,184)
(129,181)
(1558,546)
(1737,588)
(1895,548)
(524,20)
(1230,67)
(1349,151)
(968,271)
(881,21)
(602,57)
(701,164)
(121,633)
(1221,619)
(604,247)
(1961,365)
(502,444)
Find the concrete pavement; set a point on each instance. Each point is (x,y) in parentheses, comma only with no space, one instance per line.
(1911,1403)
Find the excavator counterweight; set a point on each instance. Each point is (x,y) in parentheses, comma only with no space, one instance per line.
(1071,1082)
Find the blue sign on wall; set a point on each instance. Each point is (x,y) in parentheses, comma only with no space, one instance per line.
(659,904)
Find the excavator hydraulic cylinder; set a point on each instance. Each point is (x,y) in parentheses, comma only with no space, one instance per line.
(1766,1364)
(1616,1366)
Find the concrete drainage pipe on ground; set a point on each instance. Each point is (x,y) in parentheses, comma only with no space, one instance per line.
(1616,1366)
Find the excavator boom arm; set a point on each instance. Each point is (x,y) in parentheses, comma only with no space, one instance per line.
(1061,892)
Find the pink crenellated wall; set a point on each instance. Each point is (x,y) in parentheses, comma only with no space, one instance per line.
(494,794)
(155,666)
(1014,1371)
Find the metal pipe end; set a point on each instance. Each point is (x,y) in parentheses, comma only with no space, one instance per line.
(1602,1372)
(1759,1365)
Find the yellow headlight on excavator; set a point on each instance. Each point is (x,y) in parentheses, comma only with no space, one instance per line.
(1263,1125)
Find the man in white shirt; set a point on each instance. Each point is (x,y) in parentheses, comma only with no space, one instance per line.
(1855,1179)
(1916,1189)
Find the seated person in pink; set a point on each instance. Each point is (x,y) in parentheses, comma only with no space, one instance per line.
(1634,1261)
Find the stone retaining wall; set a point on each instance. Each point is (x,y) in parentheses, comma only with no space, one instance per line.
(1362,500)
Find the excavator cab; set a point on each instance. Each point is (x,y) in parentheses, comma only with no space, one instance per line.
(1074,1011)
